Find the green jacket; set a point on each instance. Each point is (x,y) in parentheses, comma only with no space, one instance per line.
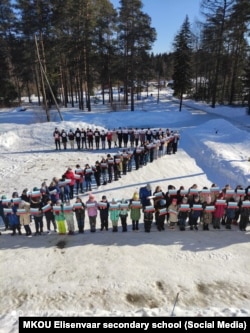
(59,216)
(114,214)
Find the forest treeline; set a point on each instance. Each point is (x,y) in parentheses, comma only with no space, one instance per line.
(63,50)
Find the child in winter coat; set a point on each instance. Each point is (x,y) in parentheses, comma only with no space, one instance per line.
(114,213)
(207,215)
(183,214)
(97,173)
(173,214)
(79,181)
(48,212)
(124,208)
(59,217)
(230,214)
(80,215)
(69,174)
(13,219)
(88,172)
(104,212)
(69,217)
(92,210)
(135,210)
(144,193)
(195,213)
(25,216)
(219,212)
(160,217)
(148,215)
(36,203)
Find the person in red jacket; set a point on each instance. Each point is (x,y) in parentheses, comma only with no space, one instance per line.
(69,174)
(219,211)
(109,138)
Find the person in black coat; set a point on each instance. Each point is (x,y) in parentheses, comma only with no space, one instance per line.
(2,215)
(160,218)
(97,173)
(104,213)
(49,215)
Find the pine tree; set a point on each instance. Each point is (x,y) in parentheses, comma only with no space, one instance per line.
(182,62)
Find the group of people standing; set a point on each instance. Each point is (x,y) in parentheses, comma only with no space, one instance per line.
(206,207)
(177,207)
(121,138)
(107,169)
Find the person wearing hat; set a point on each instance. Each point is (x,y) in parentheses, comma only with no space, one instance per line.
(173,214)
(104,212)
(135,211)
(92,210)
(57,138)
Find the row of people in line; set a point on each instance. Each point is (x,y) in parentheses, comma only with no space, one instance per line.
(106,170)
(122,138)
(191,209)
(213,205)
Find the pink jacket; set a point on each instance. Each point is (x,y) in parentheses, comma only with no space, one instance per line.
(92,211)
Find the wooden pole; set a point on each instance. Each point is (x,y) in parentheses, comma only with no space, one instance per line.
(46,78)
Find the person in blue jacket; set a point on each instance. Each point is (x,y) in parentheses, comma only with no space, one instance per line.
(144,193)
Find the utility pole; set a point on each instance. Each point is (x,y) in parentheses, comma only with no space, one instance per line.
(43,75)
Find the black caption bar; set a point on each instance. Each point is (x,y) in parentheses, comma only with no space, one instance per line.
(26,324)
